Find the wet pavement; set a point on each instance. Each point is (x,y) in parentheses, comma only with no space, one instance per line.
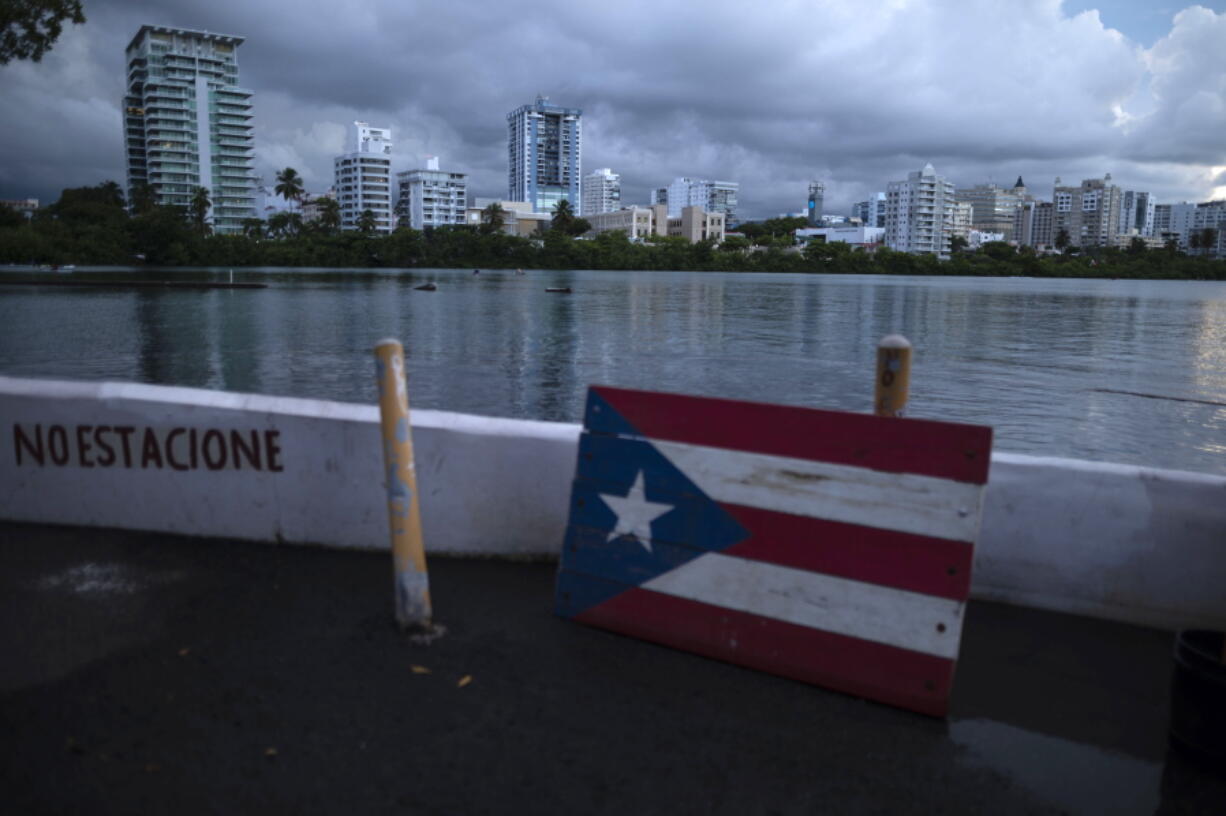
(146,673)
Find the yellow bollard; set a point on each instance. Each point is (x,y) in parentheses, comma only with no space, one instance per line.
(893,375)
(404,511)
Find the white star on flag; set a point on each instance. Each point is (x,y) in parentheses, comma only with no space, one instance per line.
(634,513)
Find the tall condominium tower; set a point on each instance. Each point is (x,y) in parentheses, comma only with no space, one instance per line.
(187,124)
(543,152)
(1089,214)
(712,196)
(431,197)
(602,192)
(813,209)
(364,177)
(1032,224)
(1137,213)
(919,213)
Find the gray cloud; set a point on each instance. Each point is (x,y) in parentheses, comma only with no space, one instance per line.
(852,92)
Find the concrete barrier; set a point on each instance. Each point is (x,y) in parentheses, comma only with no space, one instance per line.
(1125,543)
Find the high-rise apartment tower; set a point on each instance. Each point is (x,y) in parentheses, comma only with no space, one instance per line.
(543,155)
(1089,214)
(919,213)
(187,123)
(602,192)
(431,197)
(364,177)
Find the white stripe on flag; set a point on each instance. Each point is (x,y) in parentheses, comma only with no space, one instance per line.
(895,617)
(903,502)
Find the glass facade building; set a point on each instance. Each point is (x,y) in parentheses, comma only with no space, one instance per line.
(543,155)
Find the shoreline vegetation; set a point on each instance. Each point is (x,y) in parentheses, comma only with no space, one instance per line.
(92,226)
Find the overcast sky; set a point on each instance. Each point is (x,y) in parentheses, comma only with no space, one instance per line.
(853,92)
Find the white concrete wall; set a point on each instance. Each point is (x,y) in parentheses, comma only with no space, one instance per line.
(1119,542)
(489,486)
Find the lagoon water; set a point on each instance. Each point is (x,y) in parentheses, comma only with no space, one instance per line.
(1117,371)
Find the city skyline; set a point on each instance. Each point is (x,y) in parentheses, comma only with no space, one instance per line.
(843,94)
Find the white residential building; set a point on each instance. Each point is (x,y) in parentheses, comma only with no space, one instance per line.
(312,205)
(1182,221)
(25,206)
(602,192)
(1211,215)
(187,124)
(919,213)
(964,218)
(364,177)
(431,197)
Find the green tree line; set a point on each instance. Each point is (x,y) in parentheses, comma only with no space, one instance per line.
(95,225)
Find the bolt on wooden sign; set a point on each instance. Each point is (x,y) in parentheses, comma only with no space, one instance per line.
(830,547)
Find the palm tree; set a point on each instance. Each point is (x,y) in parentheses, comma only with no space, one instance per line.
(289,185)
(198,209)
(366,222)
(492,218)
(329,214)
(284,224)
(563,216)
(1063,239)
(253,228)
(112,193)
(1208,240)
(142,198)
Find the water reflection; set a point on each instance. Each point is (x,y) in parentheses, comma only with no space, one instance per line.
(1044,362)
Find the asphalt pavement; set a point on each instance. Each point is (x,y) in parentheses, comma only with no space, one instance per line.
(147,673)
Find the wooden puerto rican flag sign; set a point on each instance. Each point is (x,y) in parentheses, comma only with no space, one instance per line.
(830,547)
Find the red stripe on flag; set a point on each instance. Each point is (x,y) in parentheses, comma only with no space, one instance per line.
(888,674)
(944,450)
(934,566)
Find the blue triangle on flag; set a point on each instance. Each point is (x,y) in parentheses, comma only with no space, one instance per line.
(623,487)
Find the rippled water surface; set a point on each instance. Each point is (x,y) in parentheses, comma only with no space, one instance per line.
(1122,371)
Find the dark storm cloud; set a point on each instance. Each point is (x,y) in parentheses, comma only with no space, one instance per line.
(854,93)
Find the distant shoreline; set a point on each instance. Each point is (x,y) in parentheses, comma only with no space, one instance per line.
(78,277)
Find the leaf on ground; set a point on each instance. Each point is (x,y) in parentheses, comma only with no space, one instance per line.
(419,669)
(184,652)
(464,681)
(270,752)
